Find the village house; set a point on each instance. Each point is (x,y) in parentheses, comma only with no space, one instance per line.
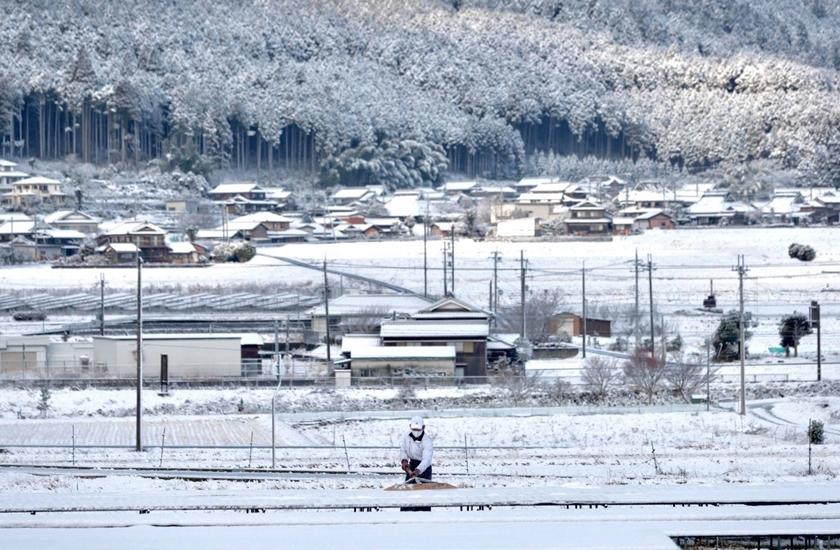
(572,324)
(149,238)
(280,196)
(783,207)
(447,322)
(825,208)
(184,253)
(270,220)
(35,190)
(588,218)
(357,312)
(229,191)
(631,221)
(718,208)
(454,188)
(119,253)
(352,196)
(400,361)
(73,220)
(16,225)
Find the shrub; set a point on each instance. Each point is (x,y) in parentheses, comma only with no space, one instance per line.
(802,252)
(815,433)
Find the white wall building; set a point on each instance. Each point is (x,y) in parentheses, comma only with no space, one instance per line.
(187,355)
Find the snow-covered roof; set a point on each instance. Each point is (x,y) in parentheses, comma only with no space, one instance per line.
(547,198)
(351,342)
(555,187)
(352,193)
(70,216)
(403,206)
(17,226)
(443,330)
(717,204)
(63,233)
(587,221)
(783,204)
(181,247)
(171,336)
(37,180)
(458,186)
(122,247)
(16,216)
(132,227)
(623,221)
(235,188)
(13,174)
(359,304)
(276,193)
(260,217)
(535,181)
(403,352)
(7,163)
(586,206)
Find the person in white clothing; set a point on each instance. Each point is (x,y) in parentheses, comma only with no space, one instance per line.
(416,452)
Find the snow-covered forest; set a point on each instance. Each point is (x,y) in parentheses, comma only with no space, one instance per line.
(374,90)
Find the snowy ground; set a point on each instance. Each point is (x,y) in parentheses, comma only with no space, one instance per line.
(636,451)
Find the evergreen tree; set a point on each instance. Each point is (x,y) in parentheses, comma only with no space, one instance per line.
(791,330)
(726,340)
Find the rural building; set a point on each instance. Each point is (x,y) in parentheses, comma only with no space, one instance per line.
(183,253)
(229,191)
(149,238)
(352,195)
(572,324)
(73,219)
(355,312)
(717,208)
(401,361)
(186,355)
(119,253)
(17,227)
(452,188)
(271,221)
(447,322)
(35,190)
(588,218)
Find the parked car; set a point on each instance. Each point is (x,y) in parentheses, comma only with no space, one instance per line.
(29,316)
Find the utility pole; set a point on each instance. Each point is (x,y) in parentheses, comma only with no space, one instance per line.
(102,304)
(741,268)
(327,313)
(490,296)
(425,252)
(277,348)
(138,446)
(815,322)
(522,268)
(496,257)
(445,268)
(452,258)
(583,307)
(636,332)
(708,374)
(650,303)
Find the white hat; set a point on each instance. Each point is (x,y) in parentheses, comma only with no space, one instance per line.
(416,423)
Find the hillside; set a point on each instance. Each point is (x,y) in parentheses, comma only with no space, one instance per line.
(372,90)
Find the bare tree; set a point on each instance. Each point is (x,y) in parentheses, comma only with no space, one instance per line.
(519,383)
(367,321)
(599,375)
(558,391)
(686,374)
(645,373)
(539,308)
